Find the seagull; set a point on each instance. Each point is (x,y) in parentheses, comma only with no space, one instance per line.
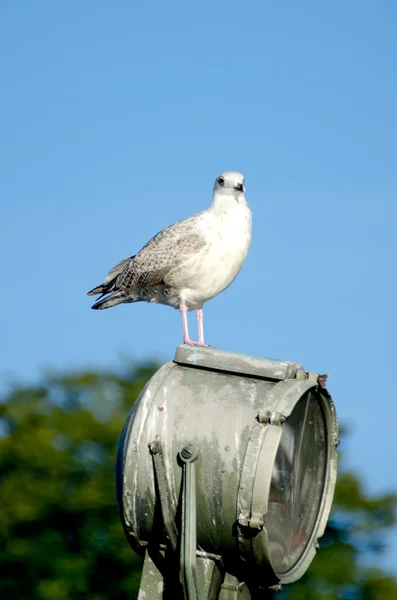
(189,262)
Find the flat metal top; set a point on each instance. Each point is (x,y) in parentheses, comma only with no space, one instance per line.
(234,362)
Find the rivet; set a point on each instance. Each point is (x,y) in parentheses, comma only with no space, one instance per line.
(227,448)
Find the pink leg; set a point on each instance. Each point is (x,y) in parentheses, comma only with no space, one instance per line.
(200,326)
(183,309)
(186,338)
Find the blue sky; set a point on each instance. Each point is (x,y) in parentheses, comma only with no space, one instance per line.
(115,120)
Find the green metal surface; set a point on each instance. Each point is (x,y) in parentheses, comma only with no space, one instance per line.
(233,408)
(163,491)
(188,558)
(152,582)
(234,362)
(233,589)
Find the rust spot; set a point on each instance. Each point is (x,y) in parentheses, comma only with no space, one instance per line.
(160,408)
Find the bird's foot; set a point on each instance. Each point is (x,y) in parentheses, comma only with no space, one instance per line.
(190,342)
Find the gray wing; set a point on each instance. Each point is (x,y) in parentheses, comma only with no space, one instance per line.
(165,251)
(115,271)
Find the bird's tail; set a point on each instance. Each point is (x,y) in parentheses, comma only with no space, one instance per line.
(99,289)
(112,300)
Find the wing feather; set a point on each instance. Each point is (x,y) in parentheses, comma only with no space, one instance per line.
(117,269)
(166,250)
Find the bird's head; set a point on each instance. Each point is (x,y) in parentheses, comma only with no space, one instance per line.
(229,183)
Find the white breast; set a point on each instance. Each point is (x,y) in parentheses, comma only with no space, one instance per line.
(228,236)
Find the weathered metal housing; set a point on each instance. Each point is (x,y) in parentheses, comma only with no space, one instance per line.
(229,410)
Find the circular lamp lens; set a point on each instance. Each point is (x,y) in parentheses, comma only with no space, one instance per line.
(297,484)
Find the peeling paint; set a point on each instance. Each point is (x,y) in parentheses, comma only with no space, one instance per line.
(214,407)
(160,587)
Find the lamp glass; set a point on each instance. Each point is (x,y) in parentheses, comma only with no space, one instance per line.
(297,483)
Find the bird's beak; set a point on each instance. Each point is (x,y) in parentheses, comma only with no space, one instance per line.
(239,187)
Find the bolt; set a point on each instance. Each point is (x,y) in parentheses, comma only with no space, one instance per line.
(283,418)
(337,442)
(264,417)
(276,588)
(243,519)
(155,447)
(322,380)
(187,452)
(316,545)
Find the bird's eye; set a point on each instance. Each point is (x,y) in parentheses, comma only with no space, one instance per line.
(221,181)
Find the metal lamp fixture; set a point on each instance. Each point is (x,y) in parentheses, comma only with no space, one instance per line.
(226,473)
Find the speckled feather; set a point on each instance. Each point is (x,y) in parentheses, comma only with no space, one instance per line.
(150,267)
(190,261)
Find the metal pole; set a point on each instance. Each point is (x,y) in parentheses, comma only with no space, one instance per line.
(188,455)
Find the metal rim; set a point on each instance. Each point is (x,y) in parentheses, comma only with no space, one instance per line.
(256,477)
(328,489)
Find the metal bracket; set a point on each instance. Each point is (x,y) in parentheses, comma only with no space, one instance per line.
(244,498)
(171,530)
(272,417)
(188,560)
(233,589)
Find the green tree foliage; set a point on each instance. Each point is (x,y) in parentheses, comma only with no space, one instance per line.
(355,530)
(60,533)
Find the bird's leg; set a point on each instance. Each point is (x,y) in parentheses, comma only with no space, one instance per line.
(186,338)
(183,309)
(200,326)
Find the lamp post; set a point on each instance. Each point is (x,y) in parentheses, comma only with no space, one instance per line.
(225,474)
